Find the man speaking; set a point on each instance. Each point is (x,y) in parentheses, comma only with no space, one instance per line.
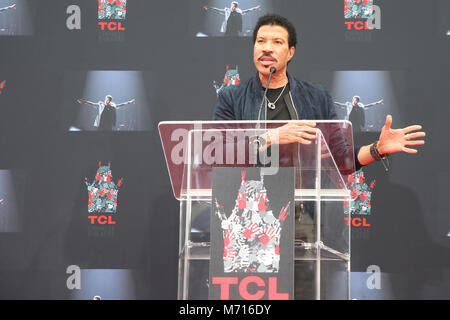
(287,98)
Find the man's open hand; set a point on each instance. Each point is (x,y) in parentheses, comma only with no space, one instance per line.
(399,140)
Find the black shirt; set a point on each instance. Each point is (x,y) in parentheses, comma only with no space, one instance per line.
(281,111)
(234,24)
(108,118)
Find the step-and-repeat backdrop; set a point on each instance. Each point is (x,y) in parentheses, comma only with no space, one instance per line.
(86,205)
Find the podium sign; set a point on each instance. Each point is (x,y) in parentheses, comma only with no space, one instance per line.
(252,234)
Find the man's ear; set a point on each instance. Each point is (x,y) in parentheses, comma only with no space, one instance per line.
(291,52)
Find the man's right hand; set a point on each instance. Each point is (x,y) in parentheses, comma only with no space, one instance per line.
(79,101)
(294,132)
(206,8)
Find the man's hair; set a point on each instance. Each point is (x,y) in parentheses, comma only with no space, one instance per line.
(277,20)
(236,3)
(109,97)
(357,98)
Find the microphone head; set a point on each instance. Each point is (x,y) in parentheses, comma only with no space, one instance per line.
(273,70)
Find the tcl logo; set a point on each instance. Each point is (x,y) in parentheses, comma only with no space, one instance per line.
(358,25)
(259,288)
(357,222)
(111,26)
(101,220)
(371,23)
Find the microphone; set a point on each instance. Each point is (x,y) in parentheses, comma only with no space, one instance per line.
(272,71)
(258,124)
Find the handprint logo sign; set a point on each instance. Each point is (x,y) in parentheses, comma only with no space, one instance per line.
(358,9)
(111,19)
(361,193)
(251,234)
(256,238)
(231,78)
(103,191)
(361,15)
(112,9)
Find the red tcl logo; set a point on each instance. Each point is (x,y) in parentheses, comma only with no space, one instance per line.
(101,220)
(111,26)
(228,284)
(357,222)
(357,25)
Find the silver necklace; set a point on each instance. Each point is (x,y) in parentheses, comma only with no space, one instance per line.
(271,105)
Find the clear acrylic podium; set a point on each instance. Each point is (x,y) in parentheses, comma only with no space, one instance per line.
(322,234)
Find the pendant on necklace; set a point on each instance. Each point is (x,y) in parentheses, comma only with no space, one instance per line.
(271,105)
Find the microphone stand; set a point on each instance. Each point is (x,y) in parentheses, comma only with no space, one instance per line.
(257,142)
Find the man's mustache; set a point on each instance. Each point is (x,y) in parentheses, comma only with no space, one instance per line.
(267,55)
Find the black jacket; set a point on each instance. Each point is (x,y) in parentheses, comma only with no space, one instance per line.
(309,102)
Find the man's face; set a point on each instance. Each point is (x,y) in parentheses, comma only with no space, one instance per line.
(233,6)
(107,100)
(355,101)
(271,49)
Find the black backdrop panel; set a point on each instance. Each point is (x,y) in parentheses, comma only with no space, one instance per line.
(46,67)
